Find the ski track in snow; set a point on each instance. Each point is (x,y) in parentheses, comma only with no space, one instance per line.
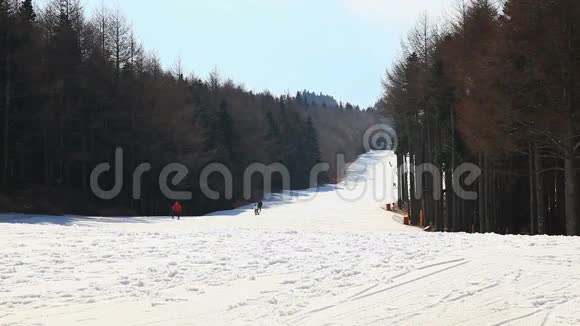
(322,261)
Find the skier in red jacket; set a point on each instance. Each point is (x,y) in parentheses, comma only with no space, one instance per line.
(176,210)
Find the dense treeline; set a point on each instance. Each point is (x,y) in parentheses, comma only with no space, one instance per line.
(75,88)
(498,87)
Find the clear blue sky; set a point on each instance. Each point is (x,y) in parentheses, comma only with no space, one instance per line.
(338,47)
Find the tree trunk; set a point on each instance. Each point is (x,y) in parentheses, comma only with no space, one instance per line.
(482,196)
(451,193)
(570,193)
(568,96)
(448,201)
(412,197)
(540,200)
(7,103)
(486,193)
(400,175)
(532,192)
(46,157)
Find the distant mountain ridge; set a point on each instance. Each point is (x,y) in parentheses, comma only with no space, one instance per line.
(318,99)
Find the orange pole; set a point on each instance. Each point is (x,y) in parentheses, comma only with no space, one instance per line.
(421,218)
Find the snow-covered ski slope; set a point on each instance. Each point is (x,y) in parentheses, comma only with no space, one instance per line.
(351,206)
(306,261)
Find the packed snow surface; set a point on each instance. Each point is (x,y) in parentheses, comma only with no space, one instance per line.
(330,256)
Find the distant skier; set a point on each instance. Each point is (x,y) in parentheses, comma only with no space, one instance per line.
(256,210)
(176,210)
(260,205)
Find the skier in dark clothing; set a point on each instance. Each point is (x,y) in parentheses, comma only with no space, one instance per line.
(176,210)
(260,205)
(256,210)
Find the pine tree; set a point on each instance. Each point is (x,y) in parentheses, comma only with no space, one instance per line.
(312,149)
(7,33)
(273,138)
(225,133)
(26,11)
